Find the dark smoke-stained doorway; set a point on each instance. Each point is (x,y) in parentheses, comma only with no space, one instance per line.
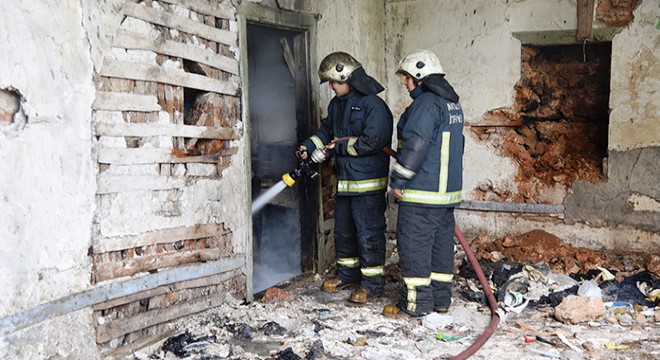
(284,231)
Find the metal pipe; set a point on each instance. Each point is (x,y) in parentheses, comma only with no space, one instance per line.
(507,206)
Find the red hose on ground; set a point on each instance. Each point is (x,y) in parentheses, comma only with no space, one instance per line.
(495,317)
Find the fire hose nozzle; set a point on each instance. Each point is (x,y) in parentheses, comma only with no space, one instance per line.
(288,179)
(305,167)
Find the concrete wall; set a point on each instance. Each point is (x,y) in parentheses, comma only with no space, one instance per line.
(481,56)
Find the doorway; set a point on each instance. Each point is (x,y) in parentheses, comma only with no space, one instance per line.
(285,230)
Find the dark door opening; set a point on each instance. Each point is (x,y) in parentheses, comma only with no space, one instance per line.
(284,229)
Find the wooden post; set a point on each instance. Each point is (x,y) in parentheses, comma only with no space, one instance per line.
(585,16)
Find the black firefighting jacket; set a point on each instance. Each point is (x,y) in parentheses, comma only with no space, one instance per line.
(367,122)
(430,140)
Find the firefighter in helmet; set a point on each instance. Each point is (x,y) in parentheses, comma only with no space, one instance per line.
(427,182)
(358,125)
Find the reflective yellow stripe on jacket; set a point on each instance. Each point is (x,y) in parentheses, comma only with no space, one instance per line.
(350,147)
(440,197)
(408,174)
(317,142)
(358,186)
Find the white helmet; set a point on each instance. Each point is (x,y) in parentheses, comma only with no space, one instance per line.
(420,64)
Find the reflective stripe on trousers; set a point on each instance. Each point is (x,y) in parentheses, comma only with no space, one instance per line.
(373,271)
(411,285)
(349,262)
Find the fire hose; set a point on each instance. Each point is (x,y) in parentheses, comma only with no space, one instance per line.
(305,167)
(492,303)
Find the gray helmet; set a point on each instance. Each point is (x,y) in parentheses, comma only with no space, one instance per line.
(337,66)
(420,64)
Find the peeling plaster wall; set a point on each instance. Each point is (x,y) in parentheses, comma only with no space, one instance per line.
(482,60)
(635,108)
(480,57)
(50,54)
(46,170)
(64,337)
(634,135)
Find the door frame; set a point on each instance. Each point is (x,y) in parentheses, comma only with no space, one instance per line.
(304,47)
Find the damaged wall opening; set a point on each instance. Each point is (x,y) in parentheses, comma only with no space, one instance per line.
(560,120)
(281,237)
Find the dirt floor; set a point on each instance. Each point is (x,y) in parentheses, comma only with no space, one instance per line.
(299,321)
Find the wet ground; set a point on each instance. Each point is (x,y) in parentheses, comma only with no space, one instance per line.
(299,321)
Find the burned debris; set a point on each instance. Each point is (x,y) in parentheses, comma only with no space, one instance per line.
(555,300)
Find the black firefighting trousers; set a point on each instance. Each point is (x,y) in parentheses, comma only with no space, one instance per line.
(360,240)
(425,238)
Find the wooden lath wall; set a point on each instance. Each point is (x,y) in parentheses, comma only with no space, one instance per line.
(164,51)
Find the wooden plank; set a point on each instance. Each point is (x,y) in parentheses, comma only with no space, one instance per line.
(156,156)
(160,17)
(109,184)
(585,16)
(156,129)
(132,40)
(124,326)
(204,281)
(138,264)
(116,101)
(164,236)
(116,289)
(288,57)
(135,71)
(206,7)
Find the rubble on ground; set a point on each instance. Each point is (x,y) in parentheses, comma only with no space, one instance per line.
(545,310)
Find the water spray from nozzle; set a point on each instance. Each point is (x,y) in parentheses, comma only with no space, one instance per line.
(305,167)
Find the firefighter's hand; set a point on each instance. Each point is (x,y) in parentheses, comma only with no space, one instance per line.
(330,146)
(303,152)
(397,193)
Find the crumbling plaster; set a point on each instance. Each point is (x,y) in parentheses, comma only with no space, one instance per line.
(634,104)
(46,169)
(47,175)
(482,61)
(64,337)
(480,57)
